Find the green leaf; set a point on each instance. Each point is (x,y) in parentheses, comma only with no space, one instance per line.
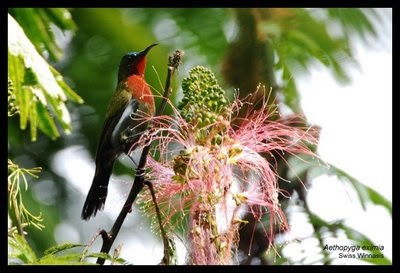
(46,122)
(67,259)
(21,249)
(62,247)
(38,23)
(33,119)
(65,87)
(107,257)
(61,18)
(16,72)
(305,40)
(292,96)
(24,102)
(101,255)
(354,21)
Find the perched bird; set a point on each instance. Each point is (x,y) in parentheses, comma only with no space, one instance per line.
(122,127)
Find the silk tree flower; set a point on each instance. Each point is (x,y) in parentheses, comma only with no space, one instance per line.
(212,166)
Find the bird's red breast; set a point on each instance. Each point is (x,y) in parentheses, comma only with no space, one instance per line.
(140,89)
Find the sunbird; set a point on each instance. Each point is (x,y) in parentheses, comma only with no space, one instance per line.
(123,126)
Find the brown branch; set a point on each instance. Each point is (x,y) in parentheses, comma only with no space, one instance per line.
(139,182)
(167,257)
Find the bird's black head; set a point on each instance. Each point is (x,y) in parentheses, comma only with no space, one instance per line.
(133,63)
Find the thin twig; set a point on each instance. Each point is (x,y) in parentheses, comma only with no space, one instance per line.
(166,259)
(138,184)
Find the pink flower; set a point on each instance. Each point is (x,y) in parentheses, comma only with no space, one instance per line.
(206,178)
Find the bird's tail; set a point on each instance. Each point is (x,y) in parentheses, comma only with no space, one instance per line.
(97,195)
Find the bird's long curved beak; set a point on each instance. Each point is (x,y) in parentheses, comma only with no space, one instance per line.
(144,52)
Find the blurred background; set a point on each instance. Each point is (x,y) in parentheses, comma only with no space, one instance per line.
(332,65)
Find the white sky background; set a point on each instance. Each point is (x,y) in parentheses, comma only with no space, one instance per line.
(356,136)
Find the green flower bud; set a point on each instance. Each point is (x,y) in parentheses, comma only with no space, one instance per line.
(203,98)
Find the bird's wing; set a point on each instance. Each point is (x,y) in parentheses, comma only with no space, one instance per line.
(114,125)
(108,128)
(118,103)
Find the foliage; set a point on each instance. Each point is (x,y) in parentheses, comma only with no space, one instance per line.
(38,94)
(22,253)
(39,26)
(16,177)
(39,90)
(302,37)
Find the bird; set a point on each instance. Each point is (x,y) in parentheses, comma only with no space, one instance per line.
(123,126)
